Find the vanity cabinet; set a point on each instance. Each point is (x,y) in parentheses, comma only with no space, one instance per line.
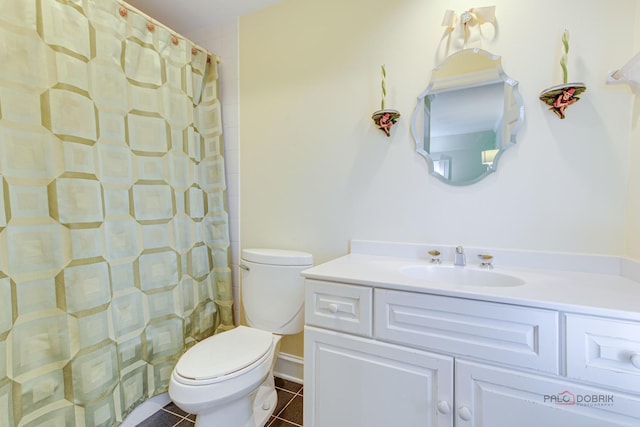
(604,351)
(353,380)
(362,382)
(490,396)
(382,357)
(506,334)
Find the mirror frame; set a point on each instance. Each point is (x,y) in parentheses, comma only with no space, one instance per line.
(421,110)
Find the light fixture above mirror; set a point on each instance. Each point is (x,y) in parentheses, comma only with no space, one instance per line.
(468,115)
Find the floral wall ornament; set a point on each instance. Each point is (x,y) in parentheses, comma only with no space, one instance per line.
(560,97)
(385,118)
(466,29)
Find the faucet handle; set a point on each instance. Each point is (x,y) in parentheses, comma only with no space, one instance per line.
(459,257)
(485,261)
(435,256)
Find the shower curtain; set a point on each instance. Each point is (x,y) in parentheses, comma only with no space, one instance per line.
(114,241)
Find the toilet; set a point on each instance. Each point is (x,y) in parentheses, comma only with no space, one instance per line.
(227,379)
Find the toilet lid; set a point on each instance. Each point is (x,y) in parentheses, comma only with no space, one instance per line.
(224,353)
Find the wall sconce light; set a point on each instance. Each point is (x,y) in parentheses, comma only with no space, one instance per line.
(628,74)
(385,118)
(560,97)
(488,156)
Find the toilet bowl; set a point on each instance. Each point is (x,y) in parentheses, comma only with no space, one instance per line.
(227,379)
(215,378)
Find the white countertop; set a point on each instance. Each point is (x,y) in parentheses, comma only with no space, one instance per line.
(601,290)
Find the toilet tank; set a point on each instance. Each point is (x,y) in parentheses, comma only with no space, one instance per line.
(273,289)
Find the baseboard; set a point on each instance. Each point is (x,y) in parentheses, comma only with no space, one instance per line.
(289,367)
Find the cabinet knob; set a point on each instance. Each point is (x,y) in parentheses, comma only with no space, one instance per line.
(635,360)
(464,413)
(333,308)
(443,407)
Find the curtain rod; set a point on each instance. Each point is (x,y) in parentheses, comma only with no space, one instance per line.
(129,7)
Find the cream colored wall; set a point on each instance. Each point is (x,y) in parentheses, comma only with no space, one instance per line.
(633,211)
(315,173)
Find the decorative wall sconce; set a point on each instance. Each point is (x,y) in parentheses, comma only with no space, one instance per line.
(560,97)
(385,118)
(629,74)
(466,29)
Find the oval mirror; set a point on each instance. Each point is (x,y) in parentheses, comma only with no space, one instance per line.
(468,115)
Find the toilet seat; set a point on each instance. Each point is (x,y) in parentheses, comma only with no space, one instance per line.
(220,356)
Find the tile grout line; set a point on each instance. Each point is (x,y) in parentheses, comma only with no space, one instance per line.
(174,413)
(287,421)
(294,395)
(181,420)
(182,417)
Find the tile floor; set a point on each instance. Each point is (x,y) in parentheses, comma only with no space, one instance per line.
(288,412)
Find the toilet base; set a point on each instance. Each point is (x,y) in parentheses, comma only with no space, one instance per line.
(236,413)
(253,410)
(264,403)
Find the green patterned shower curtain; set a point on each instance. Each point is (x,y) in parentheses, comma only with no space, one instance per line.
(114,241)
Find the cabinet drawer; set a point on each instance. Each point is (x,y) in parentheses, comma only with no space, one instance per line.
(604,351)
(345,308)
(513,335)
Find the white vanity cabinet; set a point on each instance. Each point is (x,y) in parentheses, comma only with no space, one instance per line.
(384,357)
(604,351)
(505,334)
(490,396)
(353,380)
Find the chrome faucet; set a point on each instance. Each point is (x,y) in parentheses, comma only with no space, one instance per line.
(459,257)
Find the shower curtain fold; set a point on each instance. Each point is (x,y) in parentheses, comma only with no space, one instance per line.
(114,235)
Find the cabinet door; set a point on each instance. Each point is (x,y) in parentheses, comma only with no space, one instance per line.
(352,381)
(495,397)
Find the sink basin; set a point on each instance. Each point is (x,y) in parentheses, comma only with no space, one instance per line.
(463,276)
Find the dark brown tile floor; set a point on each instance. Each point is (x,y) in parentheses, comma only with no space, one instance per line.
(288,412)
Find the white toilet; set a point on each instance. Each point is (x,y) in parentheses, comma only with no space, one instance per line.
(227,379)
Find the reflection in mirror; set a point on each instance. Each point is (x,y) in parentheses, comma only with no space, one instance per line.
(468,115)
